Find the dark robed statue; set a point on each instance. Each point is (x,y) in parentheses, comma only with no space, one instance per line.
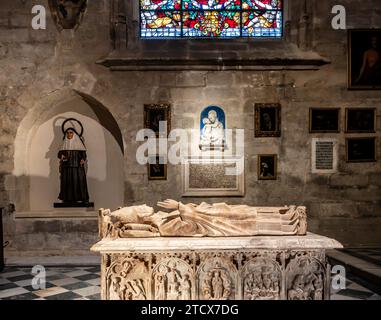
(73,158)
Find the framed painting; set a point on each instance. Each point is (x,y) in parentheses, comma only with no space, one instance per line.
(267,120)
(157,169)
(361,149)
(359,120)
(364,59)
(156,113)
(267,166)
(324,120)
(213,177)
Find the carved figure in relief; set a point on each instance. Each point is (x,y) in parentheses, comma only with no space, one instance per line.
(173,282)
(138,290)
(306,275)
(318,285)
(216,220)
(115,287)
(262,283)
(212,133)
(217,285)
(185,288)
(160,287)
(297,291)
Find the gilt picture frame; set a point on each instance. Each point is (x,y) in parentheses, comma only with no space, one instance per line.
(267,120)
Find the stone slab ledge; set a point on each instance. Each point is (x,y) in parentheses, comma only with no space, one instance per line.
(310,241)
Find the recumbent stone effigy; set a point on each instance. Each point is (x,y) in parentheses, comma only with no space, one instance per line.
(212,251)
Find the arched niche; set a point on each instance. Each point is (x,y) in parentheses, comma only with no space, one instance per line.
(39,138)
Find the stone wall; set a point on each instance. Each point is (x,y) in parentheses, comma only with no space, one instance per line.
(42,67)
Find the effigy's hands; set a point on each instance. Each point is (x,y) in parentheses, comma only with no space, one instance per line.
(169,204)
(139,227)
(136,230)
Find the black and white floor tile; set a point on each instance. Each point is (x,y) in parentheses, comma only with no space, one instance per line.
(66,283)
(372,255)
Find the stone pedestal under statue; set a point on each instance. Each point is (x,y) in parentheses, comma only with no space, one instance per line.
(223,268)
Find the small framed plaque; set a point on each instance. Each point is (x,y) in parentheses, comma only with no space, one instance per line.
(213,177)
(324,156)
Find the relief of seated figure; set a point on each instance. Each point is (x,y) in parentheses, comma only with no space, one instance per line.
(204,220)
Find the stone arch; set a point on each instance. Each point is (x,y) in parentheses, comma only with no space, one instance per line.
(38,139)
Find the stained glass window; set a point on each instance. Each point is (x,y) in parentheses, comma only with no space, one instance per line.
(211,18)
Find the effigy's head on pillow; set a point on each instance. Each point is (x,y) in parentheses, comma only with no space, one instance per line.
(133,214)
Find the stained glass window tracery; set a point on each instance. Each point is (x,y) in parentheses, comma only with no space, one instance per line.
(211,18)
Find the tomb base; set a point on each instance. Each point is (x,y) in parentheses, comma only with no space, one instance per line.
(234,268)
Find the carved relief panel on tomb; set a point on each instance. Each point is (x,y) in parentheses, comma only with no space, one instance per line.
(305,279)
(261,280)
(217,280)
(127,279)
(172,279)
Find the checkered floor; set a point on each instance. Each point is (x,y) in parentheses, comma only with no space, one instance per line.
(354,290)
(62,283)
(82,283)
(372,255)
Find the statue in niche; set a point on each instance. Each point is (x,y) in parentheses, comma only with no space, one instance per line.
(72,167)
(68,14)
(212,126)
(217,284)
(204,220)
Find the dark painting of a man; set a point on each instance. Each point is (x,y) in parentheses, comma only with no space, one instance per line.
(365,59)
(267,167)
(267,120)
(72,156)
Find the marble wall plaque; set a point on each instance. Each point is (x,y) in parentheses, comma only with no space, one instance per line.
(208,177)
(324,155)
